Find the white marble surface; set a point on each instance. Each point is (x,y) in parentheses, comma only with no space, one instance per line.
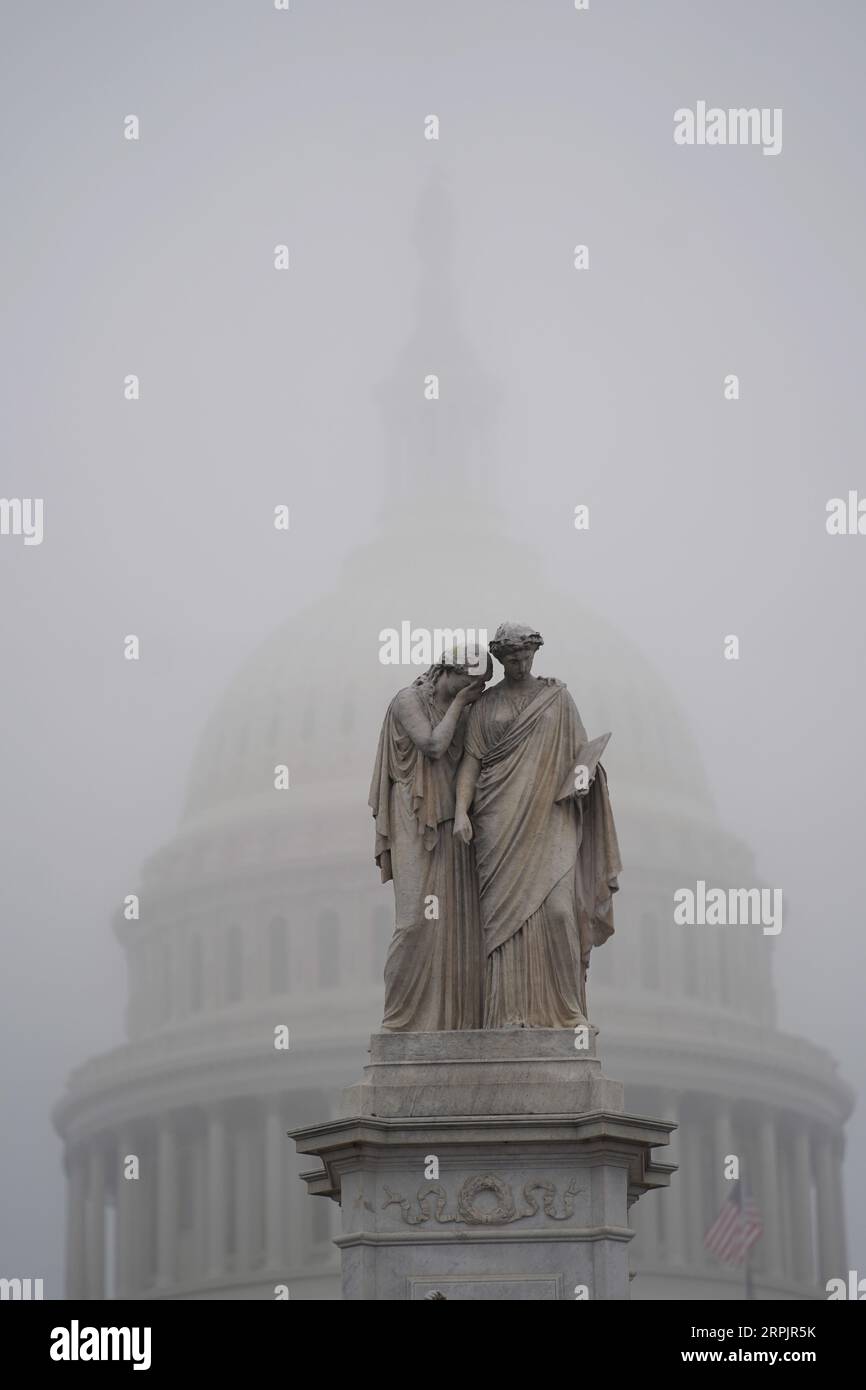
(487,1165)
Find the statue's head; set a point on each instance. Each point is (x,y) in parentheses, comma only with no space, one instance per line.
(457,668)
(515,645)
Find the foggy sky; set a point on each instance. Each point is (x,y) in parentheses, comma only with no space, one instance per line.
(257,388)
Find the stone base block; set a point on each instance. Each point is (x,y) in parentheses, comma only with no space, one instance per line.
(509,1071)
(484,1165)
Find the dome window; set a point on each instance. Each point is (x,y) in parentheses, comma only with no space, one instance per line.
(234,966)
(196,975)
(278,956)
(328,948)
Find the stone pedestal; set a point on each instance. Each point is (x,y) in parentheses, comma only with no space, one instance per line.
(484,1165)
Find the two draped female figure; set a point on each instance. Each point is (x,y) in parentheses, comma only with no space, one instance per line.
(526,890)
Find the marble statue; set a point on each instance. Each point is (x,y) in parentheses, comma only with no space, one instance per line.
(434,967)
(491,805)
(494,822)
(546,850)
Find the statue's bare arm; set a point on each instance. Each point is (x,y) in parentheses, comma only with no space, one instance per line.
(467,777)
(433,743)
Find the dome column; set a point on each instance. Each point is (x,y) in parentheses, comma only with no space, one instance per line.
(95,1238)
(76,1209)
(243,1195)
(723,1145)
(216,1166)
(826,1180)
(803,1246)
(276,1158)
(200,1207)
(124,1217)
(166,1203)
(838,1193)
(770,1178)
(212,969)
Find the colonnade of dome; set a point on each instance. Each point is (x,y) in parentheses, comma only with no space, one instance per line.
(203,1098)
(265,911)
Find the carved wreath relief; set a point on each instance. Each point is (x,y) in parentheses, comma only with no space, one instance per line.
(432,1202)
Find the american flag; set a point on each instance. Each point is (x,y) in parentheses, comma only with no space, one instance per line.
(736,1228)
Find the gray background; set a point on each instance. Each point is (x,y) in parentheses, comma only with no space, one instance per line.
(707,517)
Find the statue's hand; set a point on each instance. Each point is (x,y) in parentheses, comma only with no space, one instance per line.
(470,693)
(463,827)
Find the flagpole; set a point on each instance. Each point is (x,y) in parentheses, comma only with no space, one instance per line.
(733,1233)
(750,1289)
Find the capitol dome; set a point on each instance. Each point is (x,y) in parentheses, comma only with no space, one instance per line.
(314,691)
(264,911)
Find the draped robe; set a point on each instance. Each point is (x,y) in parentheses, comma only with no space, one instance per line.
(434,967)
(547,859)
